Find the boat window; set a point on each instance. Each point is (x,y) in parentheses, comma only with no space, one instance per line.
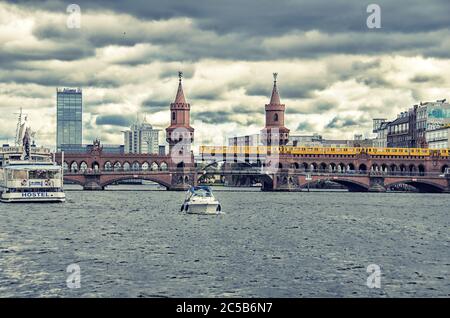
(19,174)
(42,174)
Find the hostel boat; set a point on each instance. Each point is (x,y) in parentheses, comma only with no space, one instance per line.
(28,181)
(25,177)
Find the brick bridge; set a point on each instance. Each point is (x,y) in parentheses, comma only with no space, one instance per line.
(361,172)
(94,170)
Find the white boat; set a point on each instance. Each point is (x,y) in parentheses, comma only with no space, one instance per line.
(28,178)
(200,200)
(28,181)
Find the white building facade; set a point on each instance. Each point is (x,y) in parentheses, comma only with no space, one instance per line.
(141,138)
(438,138)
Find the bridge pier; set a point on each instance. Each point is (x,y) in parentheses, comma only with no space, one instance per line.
(183,180)
(92,183)
(284,181)
(376,184)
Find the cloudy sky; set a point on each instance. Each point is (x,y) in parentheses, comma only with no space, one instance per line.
(335,74)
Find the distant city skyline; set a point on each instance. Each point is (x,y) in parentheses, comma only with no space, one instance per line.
(335,75)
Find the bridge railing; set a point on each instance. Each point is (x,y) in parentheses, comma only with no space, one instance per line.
(259,170)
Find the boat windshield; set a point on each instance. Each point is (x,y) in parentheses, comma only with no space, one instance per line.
(204,192)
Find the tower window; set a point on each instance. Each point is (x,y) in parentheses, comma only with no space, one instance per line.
(174,116)
(275,117)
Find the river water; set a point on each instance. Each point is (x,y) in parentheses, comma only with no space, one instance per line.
(138,244)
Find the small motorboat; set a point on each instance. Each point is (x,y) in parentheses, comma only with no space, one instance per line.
(200,200)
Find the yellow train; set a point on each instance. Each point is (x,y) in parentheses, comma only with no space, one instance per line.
(373,151)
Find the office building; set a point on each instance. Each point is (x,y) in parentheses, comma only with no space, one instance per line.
(69,116)
(141,138)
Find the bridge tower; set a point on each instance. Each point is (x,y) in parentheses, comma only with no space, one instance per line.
(275,133)
(180,134)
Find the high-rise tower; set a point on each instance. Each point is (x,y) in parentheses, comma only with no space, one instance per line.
(274,133)
(69,113)
(180,134)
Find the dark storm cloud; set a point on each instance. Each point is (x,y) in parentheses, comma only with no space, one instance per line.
(223,117)
(427,78)
(373,81)
(270,17)
(287,90)
(153,105)
(114,120)
(305,127)
(250,30)
(317,107)
(338,122)
(210,117)
(241,109)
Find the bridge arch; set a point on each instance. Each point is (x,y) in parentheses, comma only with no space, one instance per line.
(117,166)
(136,166)
(393,168)
(126,166)
(163,166)
(332,167)
(443,168)
(145,166)
(362,167)
(420,185)
(323,166)
(108,166)
(83,166)
(351,185)
(65,166)
(74,166)
(95,166)
(142,177)
(180,164)
(421,170)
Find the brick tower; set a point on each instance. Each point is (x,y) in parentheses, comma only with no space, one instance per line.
(180,134)
(274,133)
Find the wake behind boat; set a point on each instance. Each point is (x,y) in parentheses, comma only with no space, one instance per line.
(200,200)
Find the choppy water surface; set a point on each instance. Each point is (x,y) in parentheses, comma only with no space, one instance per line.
(138,244)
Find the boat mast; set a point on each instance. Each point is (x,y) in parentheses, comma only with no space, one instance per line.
(19,123)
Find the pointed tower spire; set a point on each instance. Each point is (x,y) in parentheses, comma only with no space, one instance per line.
(275,99)
(179,99)
(274,132)
(179,121)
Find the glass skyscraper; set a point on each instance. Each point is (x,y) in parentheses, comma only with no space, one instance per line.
(69,108)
